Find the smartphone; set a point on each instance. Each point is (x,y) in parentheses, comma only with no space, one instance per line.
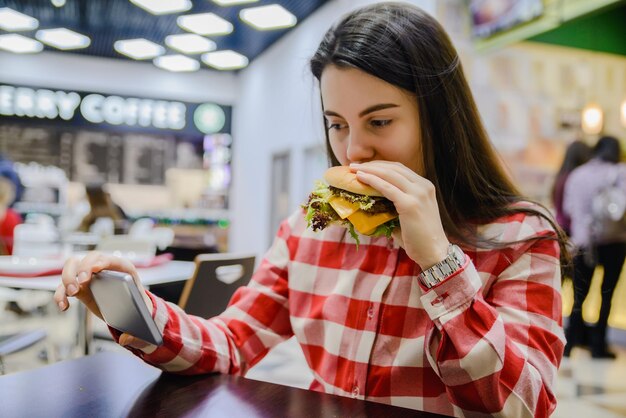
(122,305)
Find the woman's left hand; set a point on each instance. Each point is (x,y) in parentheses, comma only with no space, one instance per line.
(421,232)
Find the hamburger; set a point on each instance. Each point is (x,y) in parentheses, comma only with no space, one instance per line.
(345,201)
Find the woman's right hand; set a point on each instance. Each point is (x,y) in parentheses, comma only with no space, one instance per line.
(77,274)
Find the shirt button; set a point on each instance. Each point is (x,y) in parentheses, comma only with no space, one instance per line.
(439,299)
(355,391)
(370,312)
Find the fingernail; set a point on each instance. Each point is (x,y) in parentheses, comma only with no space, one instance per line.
(82,277)
(72,290)
(62,306)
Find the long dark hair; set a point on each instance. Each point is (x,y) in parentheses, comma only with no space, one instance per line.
(576,154)
(406,47)
(608,149)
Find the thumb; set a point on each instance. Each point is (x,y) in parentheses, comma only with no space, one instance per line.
(128,340)
(397,236)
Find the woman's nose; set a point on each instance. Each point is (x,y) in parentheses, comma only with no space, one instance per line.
(359,149)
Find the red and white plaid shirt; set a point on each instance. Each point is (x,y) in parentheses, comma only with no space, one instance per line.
(487,340)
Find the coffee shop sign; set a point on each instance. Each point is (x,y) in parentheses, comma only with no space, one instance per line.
(95,108)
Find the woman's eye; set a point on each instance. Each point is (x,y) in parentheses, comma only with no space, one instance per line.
(379,123)
(334,125)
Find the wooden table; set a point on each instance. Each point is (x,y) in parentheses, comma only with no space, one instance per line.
(120,385)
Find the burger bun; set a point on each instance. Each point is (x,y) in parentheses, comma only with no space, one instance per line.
(342,178)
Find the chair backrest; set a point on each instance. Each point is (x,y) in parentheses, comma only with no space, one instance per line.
(214,281)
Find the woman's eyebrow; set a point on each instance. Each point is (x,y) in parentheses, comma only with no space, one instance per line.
(370,109)
(377,107)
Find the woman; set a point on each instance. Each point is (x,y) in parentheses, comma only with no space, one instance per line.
(576,154)
(102,206)
(583,184)
(486,338)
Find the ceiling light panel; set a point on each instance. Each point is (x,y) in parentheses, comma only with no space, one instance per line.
(269,17)
(176,63)
(139,49)
(190,43)
(11,20)
(233,2)
(225,60)
(162,7)
(19,44)
(205,24)
(62,38)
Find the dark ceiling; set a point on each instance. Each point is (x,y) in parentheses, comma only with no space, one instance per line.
(106,21)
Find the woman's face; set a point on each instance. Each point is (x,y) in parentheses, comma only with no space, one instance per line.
(369,119)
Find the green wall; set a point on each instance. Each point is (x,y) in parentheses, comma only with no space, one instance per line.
(603,31)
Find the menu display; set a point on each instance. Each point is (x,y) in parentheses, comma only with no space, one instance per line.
(92,156)
(24,144)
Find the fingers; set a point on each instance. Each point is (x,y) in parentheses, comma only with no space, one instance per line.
(393,172)
(68,277)
(389,190)
(60,297)
(381,167)
(93,262)
(77,274)
(397,235)
(96,261)
(128,340)
(396,182)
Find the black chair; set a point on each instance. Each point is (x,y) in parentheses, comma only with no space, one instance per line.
(172,292)
(215,279)
(13,343)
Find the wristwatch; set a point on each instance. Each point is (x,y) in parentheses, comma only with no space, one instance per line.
(442,270)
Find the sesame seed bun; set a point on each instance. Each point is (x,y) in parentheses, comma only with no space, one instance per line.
(342,178)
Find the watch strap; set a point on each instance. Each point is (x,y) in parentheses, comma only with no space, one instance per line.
(436,274)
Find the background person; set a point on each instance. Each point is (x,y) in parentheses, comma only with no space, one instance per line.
(372,323)
(583,184)
(576,154)
(102,206)
(9,218)
(7,170)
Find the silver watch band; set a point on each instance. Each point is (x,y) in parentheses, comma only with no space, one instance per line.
(444,269)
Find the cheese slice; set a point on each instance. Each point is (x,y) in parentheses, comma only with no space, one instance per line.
(343,207)
(366,223)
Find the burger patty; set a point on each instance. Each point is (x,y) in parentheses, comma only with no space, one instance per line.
(380,205)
